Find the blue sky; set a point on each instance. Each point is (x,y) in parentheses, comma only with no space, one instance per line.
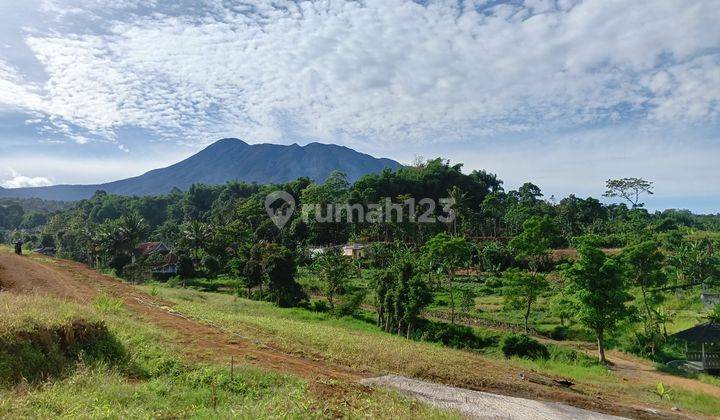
(563,93)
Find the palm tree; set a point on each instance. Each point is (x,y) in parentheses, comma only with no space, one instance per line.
(197,235)
(458,206)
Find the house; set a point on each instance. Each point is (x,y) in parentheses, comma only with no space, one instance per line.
(149,248)
(354,251)
(702,347)
(164,263)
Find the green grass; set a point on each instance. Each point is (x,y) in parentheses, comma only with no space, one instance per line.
(347,341)
(20,313)
(359,344)
(150,378)
(108,304)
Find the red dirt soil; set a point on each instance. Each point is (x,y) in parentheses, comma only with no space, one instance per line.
(78,283)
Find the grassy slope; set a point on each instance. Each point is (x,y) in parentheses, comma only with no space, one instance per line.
(151,380)
(358,344)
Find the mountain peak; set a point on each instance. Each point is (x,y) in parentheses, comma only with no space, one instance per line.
(229,159)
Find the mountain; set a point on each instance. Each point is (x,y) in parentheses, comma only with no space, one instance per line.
(227,160)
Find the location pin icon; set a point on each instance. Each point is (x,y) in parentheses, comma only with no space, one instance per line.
(282,212)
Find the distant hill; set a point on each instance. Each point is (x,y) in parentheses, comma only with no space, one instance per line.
(223,161)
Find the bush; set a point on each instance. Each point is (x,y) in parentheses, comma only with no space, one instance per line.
(559,333)
(319,306)
(351,304)
(521,345)
(456,336)
(137,272)
(571,357)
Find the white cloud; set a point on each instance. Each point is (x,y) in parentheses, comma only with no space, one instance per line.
(379,70)
(19,181)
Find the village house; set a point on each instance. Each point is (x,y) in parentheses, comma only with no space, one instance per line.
(164,263)
(354,251)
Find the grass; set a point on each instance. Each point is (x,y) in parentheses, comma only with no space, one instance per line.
(348,341)
(19,313)
(149,378)
(360,345)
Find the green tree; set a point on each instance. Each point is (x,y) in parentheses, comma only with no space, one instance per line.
(196,235)
(629,189)
(643,264)
(448,253)
(334,271)
(715,314)
(522,289)
(278,264)
(533,244)
(562,307)
(597,283)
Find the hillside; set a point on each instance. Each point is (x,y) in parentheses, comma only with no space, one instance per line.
(227,160)
(220,355)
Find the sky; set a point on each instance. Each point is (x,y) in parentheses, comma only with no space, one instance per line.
(563,93)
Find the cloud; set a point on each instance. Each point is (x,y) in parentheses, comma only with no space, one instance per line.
(20,181)
(374,70)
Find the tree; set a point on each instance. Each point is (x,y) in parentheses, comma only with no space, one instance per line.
(400,296)
(279,267)
(467,300)
(522,289)
(449,253)
(458,207)
(643,264)
(597,284)
(196,235)
(334,270)
(562,307)
(252,274)
(533,244)
(629,189)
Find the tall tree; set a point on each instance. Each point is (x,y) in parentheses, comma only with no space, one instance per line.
(334,271)
(533,244)
(522,289)
(449,253)
(629,189)
(643,265)
(598,285)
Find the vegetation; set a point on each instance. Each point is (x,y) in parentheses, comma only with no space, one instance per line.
(509,262)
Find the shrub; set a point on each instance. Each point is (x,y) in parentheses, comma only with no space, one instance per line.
(320,306)
(186,268)
(108,304)
(137,272)
(560,333)
(571,357)
(351,304)
(521,345)
(456,336)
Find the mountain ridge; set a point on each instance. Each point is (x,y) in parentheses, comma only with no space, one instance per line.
(228,159)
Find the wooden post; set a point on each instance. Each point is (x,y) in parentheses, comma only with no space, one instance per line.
(703,357)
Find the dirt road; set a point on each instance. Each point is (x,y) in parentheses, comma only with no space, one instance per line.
(76,282)
(483,405)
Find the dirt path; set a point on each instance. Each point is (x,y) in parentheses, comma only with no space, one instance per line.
(637,370)
(628,367)
(483,405)
(76,282)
